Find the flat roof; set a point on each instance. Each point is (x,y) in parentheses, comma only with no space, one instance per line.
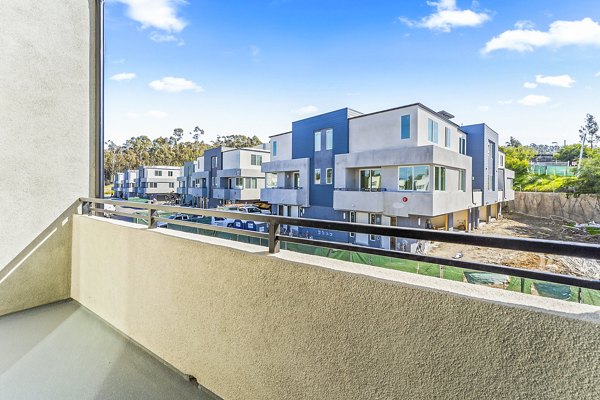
(409,105)
(279,134)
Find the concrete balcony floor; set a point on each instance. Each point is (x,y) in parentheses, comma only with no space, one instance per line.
(63,351)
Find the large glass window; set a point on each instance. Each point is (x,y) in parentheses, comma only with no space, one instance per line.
(440,178)
(296,180)
(329,139)
(318,176)
(251,183)
(447,137)
(318,141)
(405,127)
(157,173)
(432,131)
(413,178)
(370,180)
(274,148)
(329,176)
(271,180)
(214,161)
(239,183)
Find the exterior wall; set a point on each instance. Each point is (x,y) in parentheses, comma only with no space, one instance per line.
(381,130)
(212,202)
(163,182)
(129,181)
(284,146)
(291,326)
(47,140)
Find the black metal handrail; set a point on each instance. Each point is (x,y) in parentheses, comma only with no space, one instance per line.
(573,249)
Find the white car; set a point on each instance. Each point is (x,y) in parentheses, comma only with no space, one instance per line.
(229,222)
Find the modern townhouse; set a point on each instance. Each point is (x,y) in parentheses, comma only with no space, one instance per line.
(408,166)
(118,184)
(129,183)
(184,181)
(157,182)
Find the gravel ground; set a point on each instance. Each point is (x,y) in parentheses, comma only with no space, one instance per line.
(520,225)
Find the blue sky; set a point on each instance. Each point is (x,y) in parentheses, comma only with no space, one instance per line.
(529,69)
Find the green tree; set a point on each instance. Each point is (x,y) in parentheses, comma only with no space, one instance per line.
(517,158)
(571,152)
(589,175)
(513,142)
(237,141)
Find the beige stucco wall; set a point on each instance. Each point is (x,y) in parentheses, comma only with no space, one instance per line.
(46,154)
(252,326)
(583,208)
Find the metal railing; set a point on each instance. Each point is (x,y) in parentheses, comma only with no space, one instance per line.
(275,237)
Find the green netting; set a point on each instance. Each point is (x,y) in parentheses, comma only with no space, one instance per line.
(554,290)
(557,170)
(487,278)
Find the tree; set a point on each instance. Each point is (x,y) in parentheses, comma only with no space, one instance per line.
(588,132)
(571,152)
(589,175)
(517,158)
(237,141)
(513,142)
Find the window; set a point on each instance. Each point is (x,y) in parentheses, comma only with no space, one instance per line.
(251,183)
(462,180)
(374,219)
(329,139)
(462,145)
(318,141)
(352,217)
(157,173)
(239,183)
(214,181)
(440,178)
(329,176)
(256,159)
(370,180)
(296,180)
(153,185)
(432,131)
(171,184)
(405,127)
(274,148)
(447,137)
(501,160)
(214,161)
(170,173)
(317,176)
(413,178)
(271,180)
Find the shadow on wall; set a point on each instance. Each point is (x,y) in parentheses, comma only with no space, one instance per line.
(40,273)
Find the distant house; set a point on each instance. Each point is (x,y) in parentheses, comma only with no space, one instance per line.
(157,182)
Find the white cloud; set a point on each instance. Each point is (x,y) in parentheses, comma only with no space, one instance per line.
(254,51)
(597,74)
(559,80)
(534,100)
(505,102)
(123,76)
(447,16)
(530,85)
(158,14)
(131,115)
(483,108)
(171,84)
(524,24)
(163,38)
(156,114)
(560,33)
(306,110)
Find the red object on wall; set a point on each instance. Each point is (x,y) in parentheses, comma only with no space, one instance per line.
(405,199)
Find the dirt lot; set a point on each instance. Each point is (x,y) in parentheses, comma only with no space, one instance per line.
(520,225)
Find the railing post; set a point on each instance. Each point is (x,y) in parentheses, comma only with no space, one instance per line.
(274,231)
(151,220)
(86,208)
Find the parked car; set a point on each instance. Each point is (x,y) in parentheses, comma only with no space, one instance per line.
(229,222)
(179,217)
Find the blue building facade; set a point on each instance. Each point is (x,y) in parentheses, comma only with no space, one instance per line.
(482,147)
(213,161)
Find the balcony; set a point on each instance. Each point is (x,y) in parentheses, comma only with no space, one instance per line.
(236,194)
(401,204)
(198,192)
(298,164)
(293,197)
(238,172)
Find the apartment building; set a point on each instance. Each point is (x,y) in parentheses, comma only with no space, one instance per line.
(184,186)
(157,182)
(408,166)
(129,183)
(118,184)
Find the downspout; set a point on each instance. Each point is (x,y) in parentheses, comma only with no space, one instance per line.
(99,96)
